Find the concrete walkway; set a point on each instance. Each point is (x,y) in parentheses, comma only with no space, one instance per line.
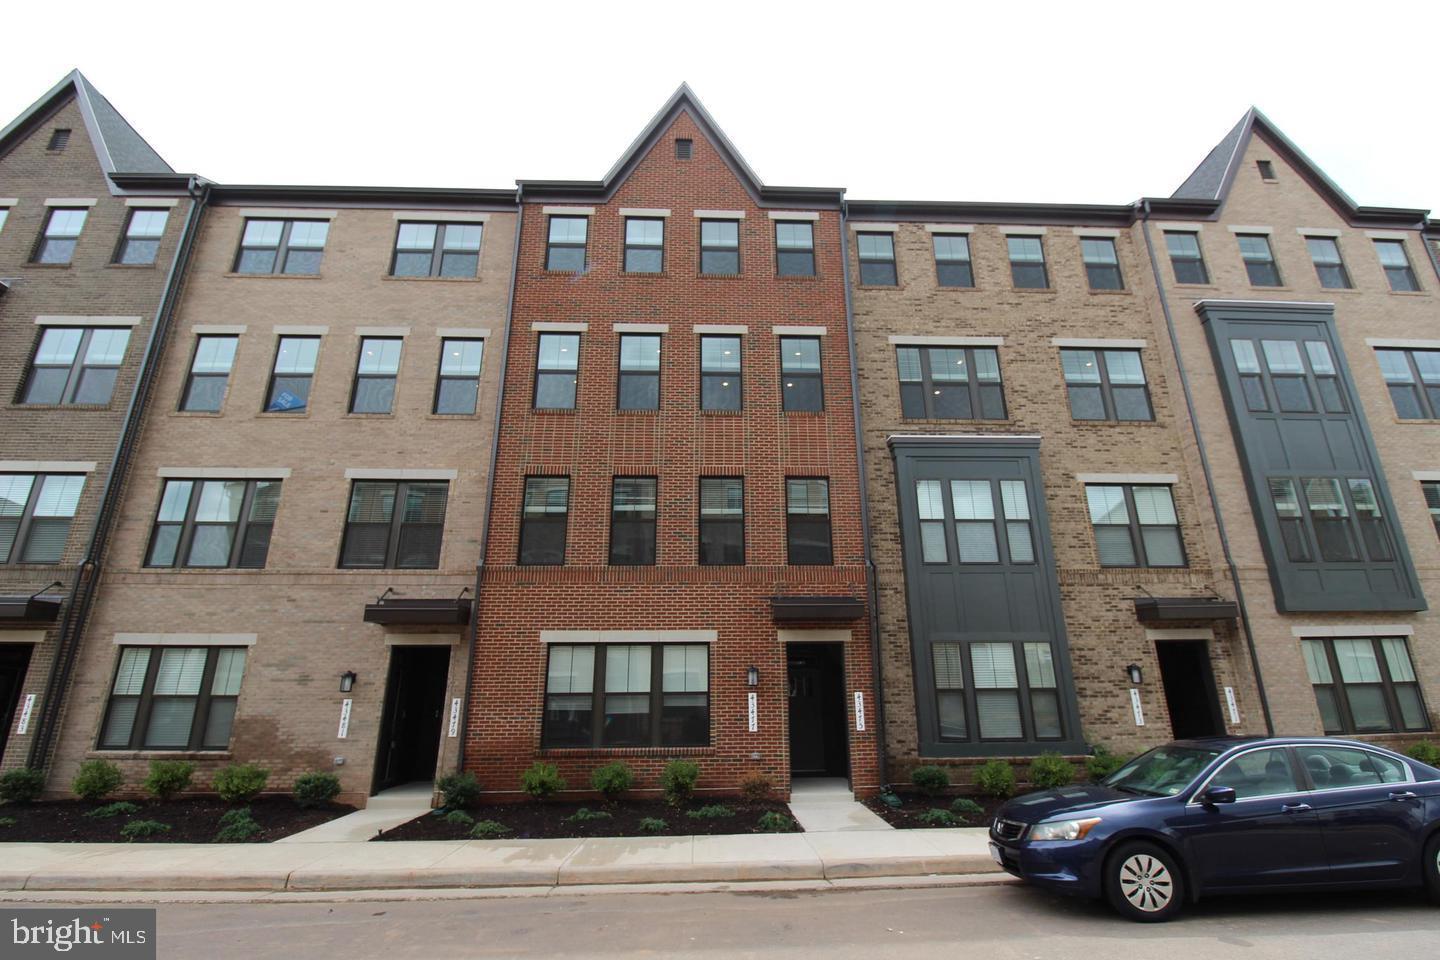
(387,809)
(823,804)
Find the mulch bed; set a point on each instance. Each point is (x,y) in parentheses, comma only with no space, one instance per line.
(536,821)
(191,820)
(912,805)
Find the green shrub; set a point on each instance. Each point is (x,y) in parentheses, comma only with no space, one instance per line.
(459,818)
(7,822)
(930,780)
(773,821)
(96,780)
(237,826)
(167,778)
(140,829)
(1425,753)
(240,782)
(1103,763)
(488,830)
(967,810)
(612,780)
(586,815)
(22,786)
(542,781)
(711,811)
(651,825)
(459,790)
(113,810)
(756,787)
(1050,771)
(936,817)
(316,789)
(995,778)
(678,779)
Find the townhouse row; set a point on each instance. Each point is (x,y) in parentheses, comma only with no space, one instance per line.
(674,463)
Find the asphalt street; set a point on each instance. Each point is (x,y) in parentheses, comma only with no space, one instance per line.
(993,922)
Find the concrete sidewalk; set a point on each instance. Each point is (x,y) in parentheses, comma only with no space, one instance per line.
(452,864)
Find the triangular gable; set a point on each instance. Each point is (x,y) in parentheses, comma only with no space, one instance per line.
(119,148)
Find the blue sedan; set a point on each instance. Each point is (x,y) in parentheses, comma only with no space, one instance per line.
(1230,815)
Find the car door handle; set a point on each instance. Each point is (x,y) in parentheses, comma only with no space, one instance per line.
(1295,808)
(1403,795)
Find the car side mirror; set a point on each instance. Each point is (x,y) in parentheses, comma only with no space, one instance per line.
(1217,795)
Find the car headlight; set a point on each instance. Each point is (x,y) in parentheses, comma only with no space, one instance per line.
(1063,829)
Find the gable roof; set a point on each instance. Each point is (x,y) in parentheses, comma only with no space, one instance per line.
(683,100)
(119,148)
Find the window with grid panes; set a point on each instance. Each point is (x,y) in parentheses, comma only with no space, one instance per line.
(1185,257)
(1259,260)
(943,383)
(544,514)
(1329,267)
(644,245)
(807,522)
(1396,264)
(394,525)
(62,231)
(209,374)
(802,388)
(619,695)
(1106,385)
(437,250)
(639,387)
(632,521)
(557,371)
(1365,685)
(76,365)
(877,259)
(720,247)
(952,260)
(140,243)
(292,247)
(457,388)
(1102,265)
(35,515)
(173,698)
(214,523)
(1413,379)
(722,520)
(1027,263)
(1135,525)
(292,375)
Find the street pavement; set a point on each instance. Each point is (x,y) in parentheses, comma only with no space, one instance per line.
(989,922)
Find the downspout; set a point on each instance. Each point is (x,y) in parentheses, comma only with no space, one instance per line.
(494,457)
(1205,468)
(872,591)
(87,574)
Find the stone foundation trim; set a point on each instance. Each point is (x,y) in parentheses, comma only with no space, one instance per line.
(831,635)
(733,328)
(1179,633)
(399,473)
(569,211)
(1014,231)
(77,320)
(949,228)
(719,214)
(900,340)
(225,473)
(1107,232)
(474,333)
(863,226)
(553,327)
(1155,478)
(1402,344)
(381,331)
(22,636)
(1317,231)
(1387,234)
(628,636)
(441,216)
(152,201)
(287,213)
(70,201)
(1355,630)
(1236,228)
(793,214)
(47,466)
(289,330)
(783,331)
(219,328)
(641,328)
(1100,344)
(185,639)
(644,212)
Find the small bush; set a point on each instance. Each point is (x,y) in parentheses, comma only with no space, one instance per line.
(967,810)
(1103,763)
(1425,753)
(167,778)
(937,817)
(140,829)
(711,811)
(930,780)
(586,815)
(316,789)
(22,786)
(756,787)
(113,810)
(612,780)
(678,780)
(1050,771)
(96,780)
(7,822)
(995,778)
(488,830)
(651,825)
(237,826)
(459,818)
(773,821)
(459,790)
(240,782)
(542,781)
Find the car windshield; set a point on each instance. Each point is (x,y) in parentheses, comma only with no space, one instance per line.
(1162,772)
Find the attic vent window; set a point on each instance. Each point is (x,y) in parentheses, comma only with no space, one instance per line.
(58,140)
(1267,169)
(683,149)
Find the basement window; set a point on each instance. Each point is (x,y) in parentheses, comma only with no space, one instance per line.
(59,139)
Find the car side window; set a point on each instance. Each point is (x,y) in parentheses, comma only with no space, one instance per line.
(1259,773)
(1332,768)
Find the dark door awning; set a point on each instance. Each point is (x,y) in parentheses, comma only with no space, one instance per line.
(817,608)
(446,611)
(36,609)
(1164,609)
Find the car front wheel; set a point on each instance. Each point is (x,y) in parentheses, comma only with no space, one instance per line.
(1143,883)
(1432,868)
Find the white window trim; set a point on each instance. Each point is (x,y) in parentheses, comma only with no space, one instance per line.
(464,333)
(819,635)
(1235,228)
(793,214)
(552,327)
(863,227)
(22,636)
(382,331)
(568,211)
(289,330)
(185,639)
(1014,231)
(224,473)
(653,213)
(627,636)
(1426,476)
(1152,479)
(9,201)
(287,213)
(1179,633)
(1100,343)
(152,202)
(949,228)
(723,328)
(1104,232)
(641,328)
(1330,232)
(904,341)
(796,331)
(47,466)
(440,216)
(70,201)
(1387,235)
(79,321)
(447,639)
(210,329)
(1360,630)
(1402,344)
(399,473)
(719,214)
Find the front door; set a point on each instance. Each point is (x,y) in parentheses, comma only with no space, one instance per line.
(818,729)
(14,661)
(414,711)
(1189,688)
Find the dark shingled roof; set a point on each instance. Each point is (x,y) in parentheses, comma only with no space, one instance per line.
(1208,179)
(118,147)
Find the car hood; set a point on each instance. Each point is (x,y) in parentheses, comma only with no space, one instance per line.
(1034,807)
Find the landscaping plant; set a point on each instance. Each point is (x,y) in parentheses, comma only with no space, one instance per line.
(756,787)
(459,790)
(542,781)
(7,822)
(22,786)
(316,789)
(113,810)
(936,817)
(488,830)
(930,780)
(995,778)
(711,811)
(237,826)
(459,818)
(773,821)
(240,782)
(678,779)
(612,780)
(586,815)
(966,809)
(651,825)
(1103,763)
(167,778)
(1426,753)
(96,780)
(140,829)
(1050,771)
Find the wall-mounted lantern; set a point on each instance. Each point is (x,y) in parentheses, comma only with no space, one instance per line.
(752,676)
(347,681)
(1134,672)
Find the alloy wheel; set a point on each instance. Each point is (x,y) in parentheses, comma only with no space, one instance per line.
(1146,883)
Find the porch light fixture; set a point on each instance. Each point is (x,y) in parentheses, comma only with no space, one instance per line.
(1135,675)
(347,681)
(752,676)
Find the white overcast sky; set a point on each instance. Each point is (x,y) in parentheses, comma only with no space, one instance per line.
(1020,101)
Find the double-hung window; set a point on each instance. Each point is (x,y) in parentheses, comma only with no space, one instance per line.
(950,383)
(437,250)
(1135,525)
(627,695)
(292,375)
(76,365)
(794,248)
(1329,267)
(802,388)
(1413,378)
(173,698)
(1259,260)
(720,373)
(807,522)
(565,247)
(952,260)
(1027,263)
(639,387)
(214,523)
(457,388)
(1330,519)
(209,374)
(557,371)
(877,259)
(35,515)
(1185,257)
(632,521)
(141,242)
(1102,264)
(394,525)
(1292,378)
(1396,264)
(376,370)
(292,247)
(1365,685)
(4,215)
(722,520)
(543,516)
(644,245)
(1000,707)
(720,247)
(62,230)
(1431,490)
(1106,385)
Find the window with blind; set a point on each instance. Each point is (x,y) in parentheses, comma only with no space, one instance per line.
(1106,385)
(1135,525)
(794,248)
(1431,490)
(722,520)
(544,515)
(75,365)
(807,522)
(644,245)
(173,698)
(627,695)
(565,247)
(394,524)
(720,247)
(209,374)
(950,383)
(1014,697)
(35,515)
(214,523)
(1365,685)
(632,521)
(980,530)
(1331,519)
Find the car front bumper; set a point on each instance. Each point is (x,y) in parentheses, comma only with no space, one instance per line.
(1065,867)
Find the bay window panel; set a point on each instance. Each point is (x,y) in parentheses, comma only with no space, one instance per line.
(997,695)
(1330,519)
(948,662)
(1290,518)
(931,505)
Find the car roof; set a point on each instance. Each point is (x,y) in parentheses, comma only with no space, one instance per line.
(1231,742)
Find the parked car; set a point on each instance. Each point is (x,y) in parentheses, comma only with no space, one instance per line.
(1230,815)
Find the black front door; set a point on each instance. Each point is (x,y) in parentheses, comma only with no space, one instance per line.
(818,742)
(14,661)
(414,712)
(1189,688)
